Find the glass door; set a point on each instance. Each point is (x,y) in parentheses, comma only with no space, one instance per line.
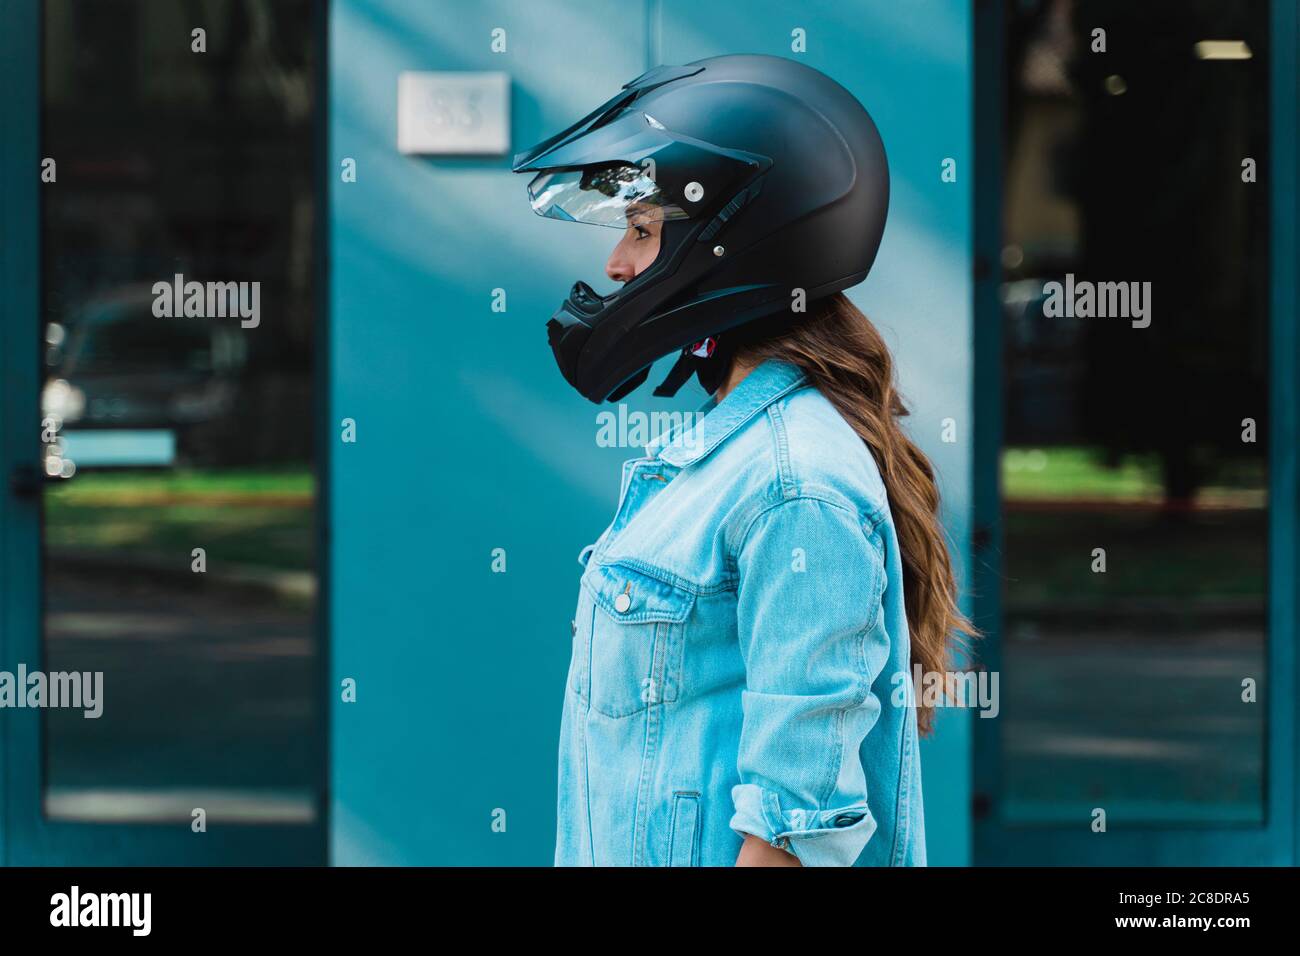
(1138,501)
(167,473)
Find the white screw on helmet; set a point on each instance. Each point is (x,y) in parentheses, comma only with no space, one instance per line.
(694,192)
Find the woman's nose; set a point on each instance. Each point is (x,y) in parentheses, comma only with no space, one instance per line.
(620,267)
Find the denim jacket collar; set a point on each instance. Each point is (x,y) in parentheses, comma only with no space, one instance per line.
(756,391)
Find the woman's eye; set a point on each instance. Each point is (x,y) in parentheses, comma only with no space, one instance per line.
(642,232)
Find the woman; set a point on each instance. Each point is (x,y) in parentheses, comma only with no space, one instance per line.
(740,690)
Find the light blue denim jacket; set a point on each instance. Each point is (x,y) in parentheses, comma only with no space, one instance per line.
(737,650)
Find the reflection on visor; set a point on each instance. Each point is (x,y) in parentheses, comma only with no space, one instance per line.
(603,196)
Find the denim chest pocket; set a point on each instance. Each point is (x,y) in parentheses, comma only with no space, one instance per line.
(629,641)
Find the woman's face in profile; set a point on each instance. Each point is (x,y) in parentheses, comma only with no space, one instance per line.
(638,247)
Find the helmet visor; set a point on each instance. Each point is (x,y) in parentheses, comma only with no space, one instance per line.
(616,195)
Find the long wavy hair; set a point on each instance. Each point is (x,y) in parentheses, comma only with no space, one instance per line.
(846,358)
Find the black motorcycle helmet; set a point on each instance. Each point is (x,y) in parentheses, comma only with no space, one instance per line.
(767,177)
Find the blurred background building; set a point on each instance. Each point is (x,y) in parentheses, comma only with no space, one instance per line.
(234,524)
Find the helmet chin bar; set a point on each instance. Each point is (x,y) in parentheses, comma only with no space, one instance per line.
(585,315)
(631,384)
(605,345)
(568,329)
(571,325)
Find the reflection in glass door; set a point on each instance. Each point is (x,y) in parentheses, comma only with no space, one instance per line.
(178,346)
(1131,541)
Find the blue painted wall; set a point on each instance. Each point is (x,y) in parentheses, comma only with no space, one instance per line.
(469,440)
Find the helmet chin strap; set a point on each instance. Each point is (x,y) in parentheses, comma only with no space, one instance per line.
(685,366)
(705,359)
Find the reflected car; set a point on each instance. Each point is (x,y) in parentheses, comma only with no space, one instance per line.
(114,365)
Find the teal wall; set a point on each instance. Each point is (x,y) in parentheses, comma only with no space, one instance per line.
(469,440)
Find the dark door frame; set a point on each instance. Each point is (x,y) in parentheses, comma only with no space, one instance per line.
(1278,841)
(26,836)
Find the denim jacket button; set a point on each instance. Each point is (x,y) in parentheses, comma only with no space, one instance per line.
(622,603)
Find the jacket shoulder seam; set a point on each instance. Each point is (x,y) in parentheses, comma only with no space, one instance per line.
(868,529)
(787,487)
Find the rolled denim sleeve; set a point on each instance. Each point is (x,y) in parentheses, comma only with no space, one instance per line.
(813,642)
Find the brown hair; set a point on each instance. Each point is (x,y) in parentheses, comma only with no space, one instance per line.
(846,358)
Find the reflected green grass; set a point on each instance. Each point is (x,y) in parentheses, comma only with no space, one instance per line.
(1081,473)
(255,518)
(1062,503)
